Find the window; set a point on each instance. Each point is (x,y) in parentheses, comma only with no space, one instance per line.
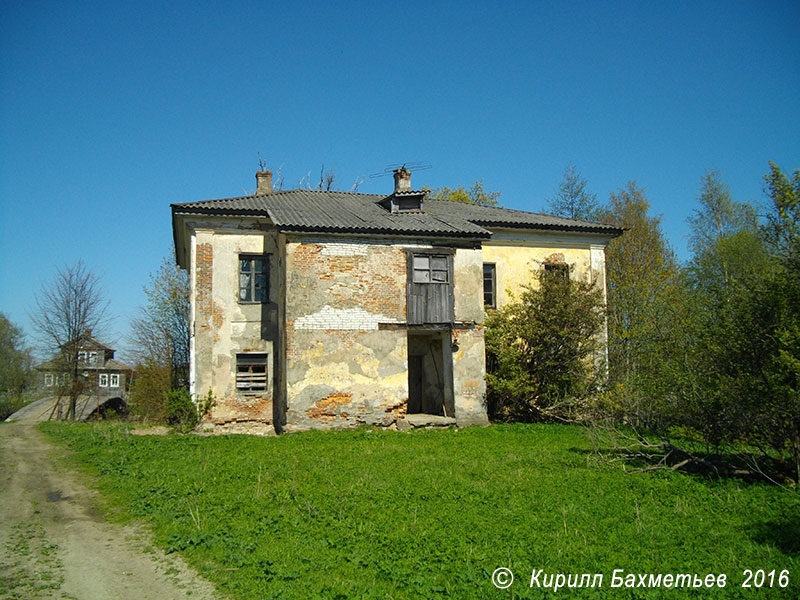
(253,278)
(489,285)
(557,269)
(251,373)
(82,356)
(103,380)
(48,379)
(430,269)
(114,380)
(92,358)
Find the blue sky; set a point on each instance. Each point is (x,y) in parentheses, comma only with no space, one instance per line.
(111,111)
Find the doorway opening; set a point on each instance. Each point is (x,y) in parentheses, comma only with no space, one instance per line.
(430,373)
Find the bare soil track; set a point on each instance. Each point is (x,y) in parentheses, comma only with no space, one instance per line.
(54,543)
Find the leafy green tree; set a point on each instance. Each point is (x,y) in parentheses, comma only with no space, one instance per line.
(474,195)
(159,342)
(572,199)
(16,367)
(644,291)
(775,309)
(160,334)
(542,350)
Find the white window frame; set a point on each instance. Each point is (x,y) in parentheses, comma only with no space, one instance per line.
(102,380)
(113,380)
(92,357)
(48,379)
(82,356)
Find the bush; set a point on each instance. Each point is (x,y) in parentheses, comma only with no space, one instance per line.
(543,350)
(149,391)
(182,413)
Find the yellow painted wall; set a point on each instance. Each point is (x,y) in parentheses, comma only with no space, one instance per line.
(514,261)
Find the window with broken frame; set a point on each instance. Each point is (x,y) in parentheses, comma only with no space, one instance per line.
(251,373)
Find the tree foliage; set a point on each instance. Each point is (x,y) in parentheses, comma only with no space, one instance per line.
(473,195)
(642,283)
(572,198)
(711,350)
(160,334)
(159,341)
(16,367)
(66,308)
(542,349)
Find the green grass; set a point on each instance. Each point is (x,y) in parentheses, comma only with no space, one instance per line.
(426,514)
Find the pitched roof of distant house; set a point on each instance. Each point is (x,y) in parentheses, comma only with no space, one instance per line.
(328,211)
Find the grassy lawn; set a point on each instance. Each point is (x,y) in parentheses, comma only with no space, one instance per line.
(380,514)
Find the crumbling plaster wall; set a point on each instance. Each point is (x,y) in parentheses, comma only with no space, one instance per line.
(469,358)
(342,369)
(223,327)
(346,335)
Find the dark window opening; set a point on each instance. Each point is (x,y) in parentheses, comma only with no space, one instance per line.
(557,269)
(251,373)
(489,285)
(253,279)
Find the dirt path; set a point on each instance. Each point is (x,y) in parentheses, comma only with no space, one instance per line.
(55,544)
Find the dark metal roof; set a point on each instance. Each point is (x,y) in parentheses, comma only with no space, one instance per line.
(312,211)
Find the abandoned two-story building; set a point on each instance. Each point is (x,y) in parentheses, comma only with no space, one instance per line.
(328,309)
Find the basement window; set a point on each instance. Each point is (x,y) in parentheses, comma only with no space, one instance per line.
(251,373)
(253,278)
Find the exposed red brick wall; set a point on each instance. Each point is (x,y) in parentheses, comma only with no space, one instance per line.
(204,257)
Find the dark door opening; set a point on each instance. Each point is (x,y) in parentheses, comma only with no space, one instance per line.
(430,373)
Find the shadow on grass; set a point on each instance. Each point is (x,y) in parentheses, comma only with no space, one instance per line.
(784,534)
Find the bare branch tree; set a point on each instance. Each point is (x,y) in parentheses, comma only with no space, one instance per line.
(160,334)
(72,305)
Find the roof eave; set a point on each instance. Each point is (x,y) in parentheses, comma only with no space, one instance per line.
(610,231)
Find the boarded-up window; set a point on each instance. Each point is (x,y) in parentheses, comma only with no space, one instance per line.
(251,373)
(430,287)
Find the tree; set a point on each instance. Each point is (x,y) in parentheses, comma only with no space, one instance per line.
(16,366)
(160,334)
(541,349)
(644,291)
(66,309)
(474,195)
(572,200)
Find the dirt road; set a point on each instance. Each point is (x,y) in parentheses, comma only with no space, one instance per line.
(55,544)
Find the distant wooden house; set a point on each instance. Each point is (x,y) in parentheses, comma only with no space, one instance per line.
(102,379)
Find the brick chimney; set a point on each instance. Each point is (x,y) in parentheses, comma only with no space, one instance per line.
(402,180)
(263,182)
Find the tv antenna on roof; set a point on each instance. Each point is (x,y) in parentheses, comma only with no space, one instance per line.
(411,166)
